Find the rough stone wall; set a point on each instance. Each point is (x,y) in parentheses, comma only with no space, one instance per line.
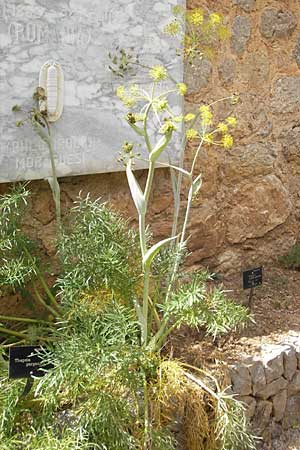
(269,385)
(249,208)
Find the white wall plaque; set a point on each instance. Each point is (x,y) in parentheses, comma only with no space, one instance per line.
(78,34)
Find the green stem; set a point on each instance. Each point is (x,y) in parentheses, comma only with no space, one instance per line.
(142,233)
(39,298)
(42,280)
(13,333)
(25,320)
(149,182)
(145,305)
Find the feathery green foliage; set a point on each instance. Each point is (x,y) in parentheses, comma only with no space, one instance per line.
(97,250)
(16,268)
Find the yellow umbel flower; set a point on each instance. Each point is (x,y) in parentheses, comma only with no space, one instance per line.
(206,115)
(177,10)
(222,127)
(172,29)
(182,88)
(167,127)
(129,102)
(188,117)
(192,134)
(208,138)
(158,73)
(120,91)
(215,19)
(160,105)
(195,17)
(178,119)
(227,141)
(231,121)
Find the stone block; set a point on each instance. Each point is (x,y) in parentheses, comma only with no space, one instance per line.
(246,5)
(263,414)
(294,385)
(241,380)
(250,404)
(279,404)
(297,52)
(289,363)
(198,76)
(286,95)
(272,357)
(292,413)
(272,389)
(241,32)
(277,23)
(227,70)
(258,375)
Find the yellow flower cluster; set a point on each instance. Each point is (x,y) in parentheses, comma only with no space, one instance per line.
(167,127)
(222,127)
(192,134)
(182,88)
(196,17)
(227,141)
(208,138)
(128,100)
(173,28)
(188,117)
(231,121)
(158,73)
(178,10)
(215,19)
(160,105)
(206,115)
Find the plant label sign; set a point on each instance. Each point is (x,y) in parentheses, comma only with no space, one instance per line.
(79,35)
(25,362)
(252,278)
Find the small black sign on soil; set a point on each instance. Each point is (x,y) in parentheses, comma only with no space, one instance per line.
(25,362)
(252,278)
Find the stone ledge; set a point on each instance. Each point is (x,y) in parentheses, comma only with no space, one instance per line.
(269,383)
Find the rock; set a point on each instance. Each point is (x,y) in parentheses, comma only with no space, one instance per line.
(241,32)
(250,404)
(286,95)
(262,415)
(292,412)
(199,75)
(249,161)
(294,385)
(256,69)
(289,363)
(290,139)
(297,52)
(272,357)
(246,5)
(258,376)
(255,208)
(241,380)
(276,23)
(207,232)
(272,388)
(227,70)
(279,404)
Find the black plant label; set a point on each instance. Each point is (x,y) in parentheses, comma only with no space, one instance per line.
(26,362)
(252,278)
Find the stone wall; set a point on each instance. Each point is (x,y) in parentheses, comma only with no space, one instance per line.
(249,208)
(269,384)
